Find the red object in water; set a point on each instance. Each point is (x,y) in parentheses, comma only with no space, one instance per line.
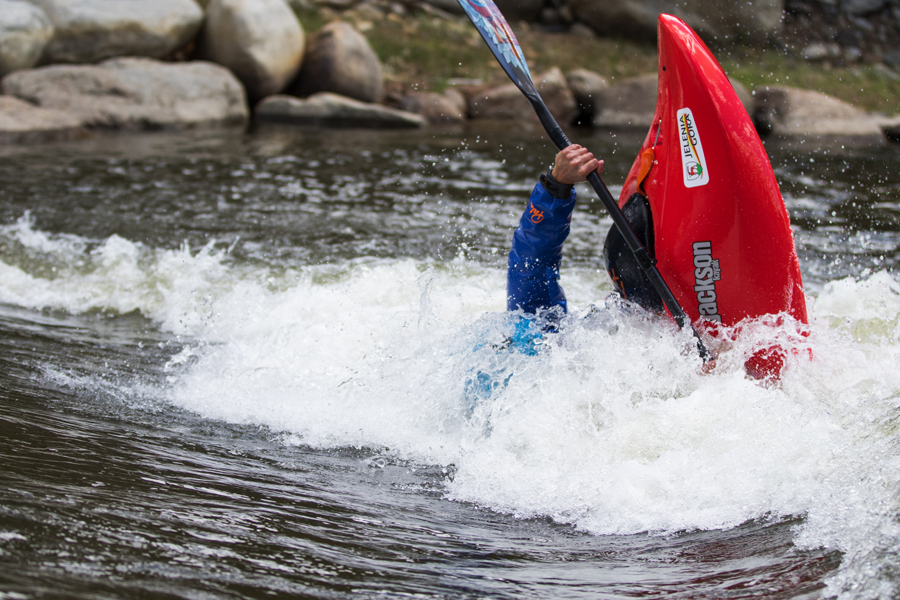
(721,231)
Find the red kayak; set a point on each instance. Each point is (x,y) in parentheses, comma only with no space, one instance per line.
(720,229)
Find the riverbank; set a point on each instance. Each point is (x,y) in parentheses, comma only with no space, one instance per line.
(354,63)
(423,50)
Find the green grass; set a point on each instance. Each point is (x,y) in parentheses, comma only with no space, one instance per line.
(874,88)
(430,52)
(423,52)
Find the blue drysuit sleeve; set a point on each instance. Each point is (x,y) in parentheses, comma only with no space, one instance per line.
(532,276)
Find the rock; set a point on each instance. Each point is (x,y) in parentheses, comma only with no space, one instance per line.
(861,7)
(325,109)
(449,107)
(815,52)
(892,131)
(852,55)
(88,31)
(340,60)
(791,112)
(135,93)
(555,19)
(582,30)
(261,41)
(750,22)
(24,32)
(892,59)
(743,94)
(507,102)
(629,103)
(586,87)
(22,122)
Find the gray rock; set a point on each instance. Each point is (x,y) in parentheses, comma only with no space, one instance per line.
(629,103)
(449,107)
(788,112)
(861,7)
(749,22)
(261,41)
(135,93)
(340,60)
(586,86)
(22,122)
(852,55)
(582,30)
(743,94)
(325,109)
(24,32)
(815,52)
(88,31)
(507,102)
(892,59)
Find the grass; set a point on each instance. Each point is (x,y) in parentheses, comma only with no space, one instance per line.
(874,88)
(425,53)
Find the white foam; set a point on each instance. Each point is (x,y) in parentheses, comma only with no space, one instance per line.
(611,431)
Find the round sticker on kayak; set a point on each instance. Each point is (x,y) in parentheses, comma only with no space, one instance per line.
(692,160)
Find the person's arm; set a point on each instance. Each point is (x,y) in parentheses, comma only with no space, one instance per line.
(533,268)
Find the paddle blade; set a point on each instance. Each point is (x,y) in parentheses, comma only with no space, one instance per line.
(492,26)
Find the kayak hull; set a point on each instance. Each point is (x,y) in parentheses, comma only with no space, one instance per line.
(722,235)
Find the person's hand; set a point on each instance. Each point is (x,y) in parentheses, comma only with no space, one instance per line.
(573,164)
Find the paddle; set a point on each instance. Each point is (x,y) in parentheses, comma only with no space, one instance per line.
(493,27)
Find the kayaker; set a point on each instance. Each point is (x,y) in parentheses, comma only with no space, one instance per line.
(532,283)
(532,280)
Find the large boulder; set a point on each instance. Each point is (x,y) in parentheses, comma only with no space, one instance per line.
(340,60)
(261,41)
(448,107)
(714,20)
(789,112)
(23,122)
(135,93)
(24,32)
(587,87)
(629,103)
(508,102)
(325,109)
(89,31)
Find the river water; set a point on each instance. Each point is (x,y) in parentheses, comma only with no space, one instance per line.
(235,365)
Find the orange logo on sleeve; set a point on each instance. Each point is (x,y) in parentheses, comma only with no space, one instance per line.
(536,215)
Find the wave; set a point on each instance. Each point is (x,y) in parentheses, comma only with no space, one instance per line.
(611,427)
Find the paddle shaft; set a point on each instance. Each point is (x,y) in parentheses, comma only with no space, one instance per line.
(643,258)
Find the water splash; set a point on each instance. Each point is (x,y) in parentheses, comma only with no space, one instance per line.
(612,429)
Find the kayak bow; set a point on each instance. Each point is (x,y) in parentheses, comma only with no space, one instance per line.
(722,235)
